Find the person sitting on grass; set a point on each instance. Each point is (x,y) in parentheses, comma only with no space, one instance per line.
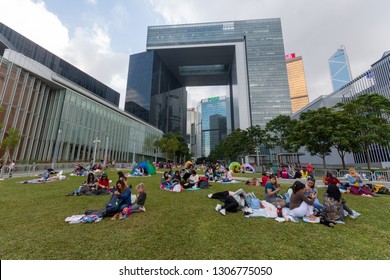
(165,182)
(103,184)
(228,177)
(89,185)
(272,190)
(176,178)
(233,201)
(123,194)
(356,185)
(139,206)
(300,204)
(335,205)
(192,180)
(264,179)
(310,188)
(331,179)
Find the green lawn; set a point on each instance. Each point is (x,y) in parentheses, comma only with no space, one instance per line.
(177,226)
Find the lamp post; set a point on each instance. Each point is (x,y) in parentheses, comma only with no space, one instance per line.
(56,148)
(96,141)
(105,153)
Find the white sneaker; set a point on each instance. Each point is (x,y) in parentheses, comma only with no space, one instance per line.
(223,211)
(352,216)
(209,195)
(339,222)
(356,214)
(218,207)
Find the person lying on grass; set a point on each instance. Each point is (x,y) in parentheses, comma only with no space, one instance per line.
(233,201)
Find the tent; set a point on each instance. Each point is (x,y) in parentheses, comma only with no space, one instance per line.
(146,166)
(247,165)
(236,165)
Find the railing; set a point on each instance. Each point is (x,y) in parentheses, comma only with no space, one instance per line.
(33,169)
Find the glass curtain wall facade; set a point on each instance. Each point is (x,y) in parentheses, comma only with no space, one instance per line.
(10,39)
(61,122)
(297,83)
(259,63)
(154,94)
(339,68)
(213,123)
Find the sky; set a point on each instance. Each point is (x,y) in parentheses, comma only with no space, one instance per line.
(98,36)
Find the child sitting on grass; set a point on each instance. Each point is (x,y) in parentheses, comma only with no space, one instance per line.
(139,206)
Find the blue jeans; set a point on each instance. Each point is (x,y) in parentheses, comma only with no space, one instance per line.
(317,204)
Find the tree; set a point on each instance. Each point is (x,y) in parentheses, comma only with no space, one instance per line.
(314,131)
(278,131)
(150,144)
(183,152)
(10,141)
(234,144)
(168,144)
(371,114)
(343,136)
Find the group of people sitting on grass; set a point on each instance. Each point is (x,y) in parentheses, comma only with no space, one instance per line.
(181,180)
(123,202)
(301,199)
(123,199)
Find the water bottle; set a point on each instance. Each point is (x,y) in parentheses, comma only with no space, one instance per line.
(279,211)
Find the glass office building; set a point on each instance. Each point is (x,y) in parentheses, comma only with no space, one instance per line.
(59,120)
(297,83)
(10,39)
(248,56)
(339,68)
(212,115)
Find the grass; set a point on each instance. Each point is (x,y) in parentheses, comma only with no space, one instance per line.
(177,226)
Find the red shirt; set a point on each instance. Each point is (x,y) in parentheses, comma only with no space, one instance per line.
(332,181)
(105,183)
(264,180)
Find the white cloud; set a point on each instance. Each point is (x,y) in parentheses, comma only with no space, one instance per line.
(311,29)
(89,49)
(33,21)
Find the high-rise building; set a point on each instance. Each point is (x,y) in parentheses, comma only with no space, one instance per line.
(340,71)
(59,118)
(191,130)
(297,82)
(10,39)
(213,123)
(247,56)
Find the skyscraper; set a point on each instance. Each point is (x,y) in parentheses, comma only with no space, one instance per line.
(213,123)
(340,71)
(297,82)
(247,56)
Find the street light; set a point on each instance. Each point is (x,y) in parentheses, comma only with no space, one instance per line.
(96,141)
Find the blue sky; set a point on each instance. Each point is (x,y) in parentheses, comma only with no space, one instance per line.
(99,35)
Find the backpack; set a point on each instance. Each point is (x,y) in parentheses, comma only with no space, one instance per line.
(252,201)
(379,189)
(112,206)
(203,183)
